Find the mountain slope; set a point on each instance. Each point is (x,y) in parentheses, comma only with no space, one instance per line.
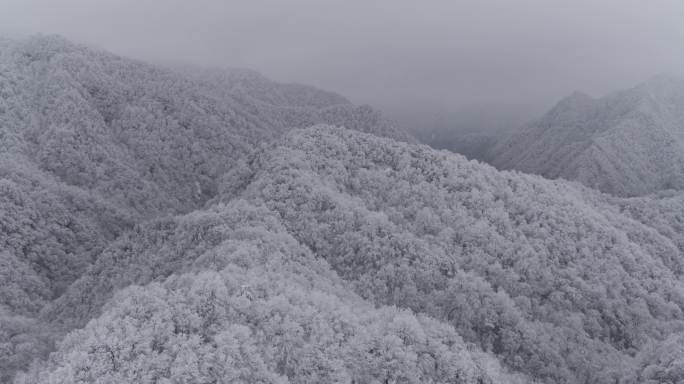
(166,226)
(134,140)
(629,143)
(92,118)
(553,278)
(557,281)
(92,143)
(226,293)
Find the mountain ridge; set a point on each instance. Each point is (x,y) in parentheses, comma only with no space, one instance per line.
(628,143)
(94,143)
(170,227)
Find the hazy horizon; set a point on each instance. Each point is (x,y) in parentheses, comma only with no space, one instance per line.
(416,63)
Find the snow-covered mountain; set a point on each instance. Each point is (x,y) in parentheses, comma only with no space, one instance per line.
(629,143)
(169,226)
(104,142)
(92,143)
(549,279)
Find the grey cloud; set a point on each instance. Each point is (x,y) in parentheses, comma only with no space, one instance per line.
(406,57)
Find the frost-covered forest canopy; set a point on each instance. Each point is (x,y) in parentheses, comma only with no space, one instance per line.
(182,225)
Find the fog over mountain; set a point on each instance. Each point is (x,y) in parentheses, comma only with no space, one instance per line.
(409,60)
(170,213)
(628,143)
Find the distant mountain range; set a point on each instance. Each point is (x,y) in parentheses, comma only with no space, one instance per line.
(629,143)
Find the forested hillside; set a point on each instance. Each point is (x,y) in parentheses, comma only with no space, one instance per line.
(170,226)
(553,278)
(93,143)
(558,282)
(629,143)
(227,293)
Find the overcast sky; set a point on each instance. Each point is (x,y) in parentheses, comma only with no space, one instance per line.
(398,55)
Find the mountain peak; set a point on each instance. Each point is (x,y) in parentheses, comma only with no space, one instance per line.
(608,143)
